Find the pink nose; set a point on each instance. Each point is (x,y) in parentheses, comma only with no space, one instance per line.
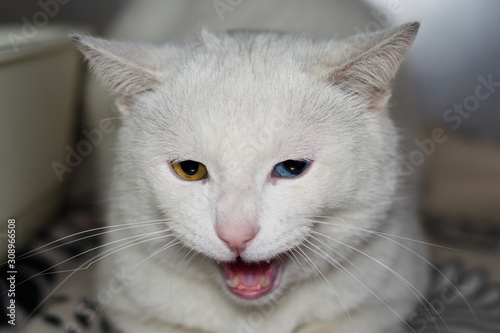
(237,237)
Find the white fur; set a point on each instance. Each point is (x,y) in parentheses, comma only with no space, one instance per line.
(240,103)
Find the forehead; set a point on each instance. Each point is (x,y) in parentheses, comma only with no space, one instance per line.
(248,84)
(221,108)
(234,109)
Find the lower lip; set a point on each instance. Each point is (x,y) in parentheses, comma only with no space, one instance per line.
(254,294)
(250,294)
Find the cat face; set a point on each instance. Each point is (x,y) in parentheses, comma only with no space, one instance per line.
(247,142)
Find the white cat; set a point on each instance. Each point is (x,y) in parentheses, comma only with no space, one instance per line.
(256,182)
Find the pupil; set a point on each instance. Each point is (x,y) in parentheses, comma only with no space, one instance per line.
(190,167)
(294,167)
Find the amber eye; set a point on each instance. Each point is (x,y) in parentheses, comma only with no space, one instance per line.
(190,170)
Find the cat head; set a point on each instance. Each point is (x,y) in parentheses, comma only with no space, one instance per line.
(253,145)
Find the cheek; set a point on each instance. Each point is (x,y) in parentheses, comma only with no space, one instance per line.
(288,206)
(291,204)
(300,196)
(338,178)
(189,205)
(183,201)
(191,217)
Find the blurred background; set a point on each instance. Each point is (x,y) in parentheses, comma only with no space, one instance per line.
(52,132)
(458,42)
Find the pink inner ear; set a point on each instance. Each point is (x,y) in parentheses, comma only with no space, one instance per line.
(124,103)
(127,68)
(371,73)
(375,90)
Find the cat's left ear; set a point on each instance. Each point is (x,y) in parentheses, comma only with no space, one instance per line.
(373,62)
(129,69)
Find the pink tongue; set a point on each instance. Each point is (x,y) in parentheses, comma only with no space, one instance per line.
(252,280)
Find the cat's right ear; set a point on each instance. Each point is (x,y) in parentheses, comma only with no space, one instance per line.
(129,69)
(372,62)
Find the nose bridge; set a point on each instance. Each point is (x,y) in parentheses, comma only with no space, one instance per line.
(236,204)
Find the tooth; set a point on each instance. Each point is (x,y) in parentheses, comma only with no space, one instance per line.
(264,282)
(217,262)
(268,261)
(233,283)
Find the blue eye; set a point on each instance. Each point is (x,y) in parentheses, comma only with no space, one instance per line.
(290,168)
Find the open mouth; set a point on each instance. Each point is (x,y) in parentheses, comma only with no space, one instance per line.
(252,280)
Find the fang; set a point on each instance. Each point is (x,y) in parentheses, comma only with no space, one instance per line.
(264,282)
(233,283)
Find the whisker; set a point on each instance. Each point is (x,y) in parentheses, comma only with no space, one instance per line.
(304,255)
(93,258)
(385,234)
(75,271)
(187,254)
(123,226)
(182,246)
(338,265)
(448,281)
(389,238)
(193,255)
(401,278)
(129,244)
(173,242)
(294,259)
(303,268)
